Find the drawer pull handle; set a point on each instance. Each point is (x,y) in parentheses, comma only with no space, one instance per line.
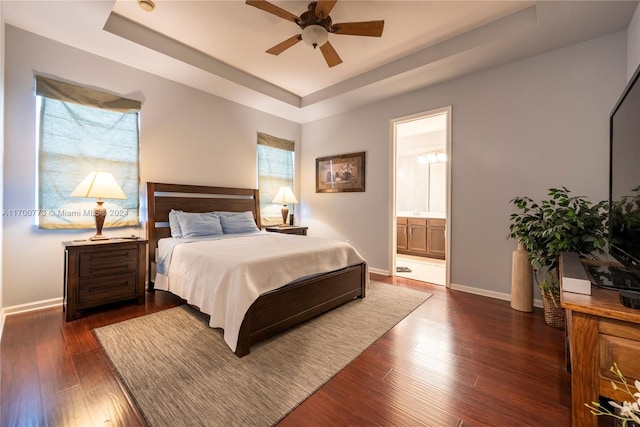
(124,284)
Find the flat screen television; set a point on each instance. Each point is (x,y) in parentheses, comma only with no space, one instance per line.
(624,191)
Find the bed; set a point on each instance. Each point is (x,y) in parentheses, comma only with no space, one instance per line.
(275,310)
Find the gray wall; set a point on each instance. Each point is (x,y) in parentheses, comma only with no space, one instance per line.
(633,43)
(186,136)
(516,130)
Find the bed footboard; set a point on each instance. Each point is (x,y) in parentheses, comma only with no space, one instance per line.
(283,308)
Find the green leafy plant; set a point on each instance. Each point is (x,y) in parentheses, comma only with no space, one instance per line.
(560,223)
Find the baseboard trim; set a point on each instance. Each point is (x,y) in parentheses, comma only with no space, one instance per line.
(468,289)
(491,294)
(24,308)
(378,271)
(32,306)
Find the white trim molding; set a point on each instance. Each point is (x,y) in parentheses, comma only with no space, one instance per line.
(491,294)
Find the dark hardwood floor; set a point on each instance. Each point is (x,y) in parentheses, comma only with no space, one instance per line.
(459,359)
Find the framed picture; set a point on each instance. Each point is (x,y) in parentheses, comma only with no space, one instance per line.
(336,174)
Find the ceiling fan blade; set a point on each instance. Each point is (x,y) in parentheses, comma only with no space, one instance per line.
(281,47)
(366,28)
(330,54)
(272,8)
(323,8)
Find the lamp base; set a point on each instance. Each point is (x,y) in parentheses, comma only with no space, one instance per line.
(99,237)
(100,213)
(285,214)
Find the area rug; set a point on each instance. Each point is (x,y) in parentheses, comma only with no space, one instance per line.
(180,372)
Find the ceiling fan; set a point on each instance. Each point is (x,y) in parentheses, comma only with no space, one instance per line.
(316,25)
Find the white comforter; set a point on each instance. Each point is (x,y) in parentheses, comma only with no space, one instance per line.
(224,277)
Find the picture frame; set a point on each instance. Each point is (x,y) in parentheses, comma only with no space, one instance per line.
(341,173)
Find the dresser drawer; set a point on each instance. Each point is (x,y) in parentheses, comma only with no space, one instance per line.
(618,343)
(108,262)
(103,290)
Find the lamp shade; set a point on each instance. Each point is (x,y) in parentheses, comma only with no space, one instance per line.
(284,196)
(101,185)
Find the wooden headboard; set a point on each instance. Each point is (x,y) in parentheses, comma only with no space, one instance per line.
(161,198)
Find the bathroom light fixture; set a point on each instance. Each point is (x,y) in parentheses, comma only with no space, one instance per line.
(432,157)
(146,5)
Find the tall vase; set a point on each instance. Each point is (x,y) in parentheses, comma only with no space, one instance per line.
(521,280)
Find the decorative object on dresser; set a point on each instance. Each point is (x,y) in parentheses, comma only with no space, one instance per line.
(342,173)
(284,196)
(102,272)
(545,229)
(628,411)
(289,229)
(101,185)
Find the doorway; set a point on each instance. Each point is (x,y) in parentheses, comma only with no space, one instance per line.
(420,200)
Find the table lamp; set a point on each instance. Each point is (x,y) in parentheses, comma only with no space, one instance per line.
(284,196)
(100,185)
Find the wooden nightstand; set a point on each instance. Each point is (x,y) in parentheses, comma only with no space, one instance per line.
(101,272)
(288,229)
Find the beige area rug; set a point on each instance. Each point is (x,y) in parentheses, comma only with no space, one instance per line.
(180,372)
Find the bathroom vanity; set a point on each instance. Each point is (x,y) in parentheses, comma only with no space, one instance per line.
(421,236)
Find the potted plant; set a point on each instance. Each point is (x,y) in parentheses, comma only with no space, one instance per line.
(545,229)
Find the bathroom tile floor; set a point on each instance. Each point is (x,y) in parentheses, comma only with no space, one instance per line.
(429,270)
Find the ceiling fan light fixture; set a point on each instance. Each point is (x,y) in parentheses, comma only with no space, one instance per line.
(315,35)
(146,5)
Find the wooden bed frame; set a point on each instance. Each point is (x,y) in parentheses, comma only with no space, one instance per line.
(275,311)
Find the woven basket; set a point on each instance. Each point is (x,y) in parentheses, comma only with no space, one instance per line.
(553,312)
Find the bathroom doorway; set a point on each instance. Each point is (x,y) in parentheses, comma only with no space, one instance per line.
(421,146)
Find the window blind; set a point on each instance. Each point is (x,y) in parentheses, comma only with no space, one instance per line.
(82,130)
(275,170)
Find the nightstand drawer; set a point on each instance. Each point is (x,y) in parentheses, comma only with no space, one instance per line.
(108,262)
(103,290)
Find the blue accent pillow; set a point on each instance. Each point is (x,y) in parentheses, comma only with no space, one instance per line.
(174,224)
(237,222)
(199,224)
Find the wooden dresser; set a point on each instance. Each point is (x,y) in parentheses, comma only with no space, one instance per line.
(102,272)
(600,331)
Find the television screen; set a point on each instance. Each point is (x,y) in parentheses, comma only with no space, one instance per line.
(624,184)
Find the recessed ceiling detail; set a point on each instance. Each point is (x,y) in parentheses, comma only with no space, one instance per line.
(219,46)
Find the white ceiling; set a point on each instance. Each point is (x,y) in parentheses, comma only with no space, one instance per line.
(219,46)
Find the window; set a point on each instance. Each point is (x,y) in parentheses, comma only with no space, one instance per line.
(275,170)
(80,131)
